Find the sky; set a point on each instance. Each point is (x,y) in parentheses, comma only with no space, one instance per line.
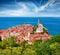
(29,8)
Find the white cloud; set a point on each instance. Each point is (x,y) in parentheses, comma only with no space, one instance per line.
(42,7)
(24,10)
(51,2)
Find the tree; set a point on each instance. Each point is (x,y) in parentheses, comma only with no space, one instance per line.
(44,49)
(54,43)
(34,29)
(29,51)
(10,43)
(56,38)
(55,48)
(23,45)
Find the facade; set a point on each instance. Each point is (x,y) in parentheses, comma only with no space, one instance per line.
(40,28)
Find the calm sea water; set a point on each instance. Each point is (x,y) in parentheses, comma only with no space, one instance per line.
(51,23)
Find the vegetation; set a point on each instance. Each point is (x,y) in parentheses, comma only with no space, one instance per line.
(34,29)
(48,47)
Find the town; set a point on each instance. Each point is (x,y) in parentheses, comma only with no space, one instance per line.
(26,32)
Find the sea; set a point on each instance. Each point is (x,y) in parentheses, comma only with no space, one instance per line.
(51,23)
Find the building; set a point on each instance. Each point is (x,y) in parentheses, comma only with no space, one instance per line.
(23,33)
(40,28)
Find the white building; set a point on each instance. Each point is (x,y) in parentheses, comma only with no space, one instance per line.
(27,37)
(40,28)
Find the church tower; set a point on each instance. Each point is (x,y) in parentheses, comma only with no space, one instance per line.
(38,22)
(39,28)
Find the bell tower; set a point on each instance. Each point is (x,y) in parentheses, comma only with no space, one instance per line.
(38,22)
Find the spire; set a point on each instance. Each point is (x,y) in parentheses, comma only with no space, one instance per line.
(38,22)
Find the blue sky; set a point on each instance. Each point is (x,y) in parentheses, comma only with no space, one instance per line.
(29,8)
